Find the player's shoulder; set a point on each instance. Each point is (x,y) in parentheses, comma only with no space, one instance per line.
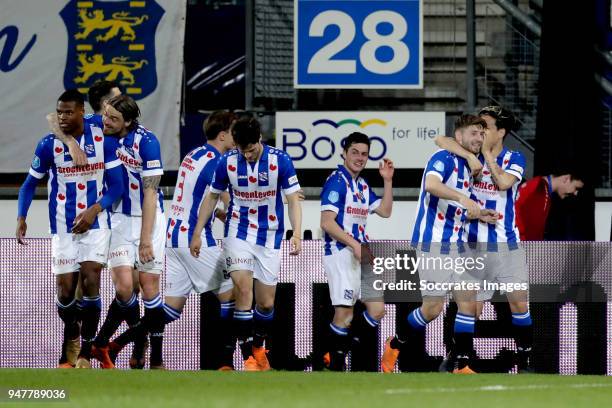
(145,134)
(278,152)
(336,181)
(515,154)
(48,140)
(230,153)
(443,155)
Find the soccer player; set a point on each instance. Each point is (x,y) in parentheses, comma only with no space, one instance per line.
(256,175)
(534,199)
(497,189)
(78,215)
(444,205)
(346,201)
(138,237)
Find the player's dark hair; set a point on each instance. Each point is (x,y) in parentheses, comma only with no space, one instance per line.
(467,120)
(218,122)
(354,138)
(575,172)
(72,95)
(127,107)
(504,118)
(246,131)
(98,92)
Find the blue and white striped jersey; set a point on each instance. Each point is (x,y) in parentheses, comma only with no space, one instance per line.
(194,178)
(73,189)
(352,200)
(256,211)
(437,219)
(141,156)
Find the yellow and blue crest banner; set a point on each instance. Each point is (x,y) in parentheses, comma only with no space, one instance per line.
(52,45)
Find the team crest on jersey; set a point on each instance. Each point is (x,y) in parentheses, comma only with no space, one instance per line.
(263,176)
(89,148)
(112,40)
(439,166)
(35,162)
(333,197)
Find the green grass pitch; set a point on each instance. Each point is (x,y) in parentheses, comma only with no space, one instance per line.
(117,388)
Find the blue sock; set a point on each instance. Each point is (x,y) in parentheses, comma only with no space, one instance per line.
(370,320)
(464,323)
(171,314)
(416,320)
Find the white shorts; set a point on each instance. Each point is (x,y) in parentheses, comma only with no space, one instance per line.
(69,250)
(443,273)
(343,273)
(185,273)
(125,240)
(240,255)
(506,266)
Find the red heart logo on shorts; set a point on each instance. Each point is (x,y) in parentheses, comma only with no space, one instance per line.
(58,150)
(81,205)
(231,168)
(98,138)
(253,211)
(272,217)
(252,179)
(81,186)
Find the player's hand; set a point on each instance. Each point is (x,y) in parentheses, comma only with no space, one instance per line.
(22,227)
(386,169)
(475,165)
(296,245)
(84,220)
(356,247)
(145,252)
(489,216)
(300,194)
(195,245)
(472,207)
(488,142)
(79,158)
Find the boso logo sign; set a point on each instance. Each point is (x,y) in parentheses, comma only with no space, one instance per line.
(316,139)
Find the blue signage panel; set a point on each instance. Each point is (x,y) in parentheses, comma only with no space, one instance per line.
(358,44)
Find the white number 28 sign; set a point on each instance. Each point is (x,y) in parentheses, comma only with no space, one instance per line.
(358,44)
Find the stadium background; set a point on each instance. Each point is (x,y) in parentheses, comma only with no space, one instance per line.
(553,74)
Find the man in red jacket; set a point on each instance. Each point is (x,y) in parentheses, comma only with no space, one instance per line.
(534,199)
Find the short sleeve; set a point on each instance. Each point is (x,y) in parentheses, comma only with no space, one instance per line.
(516,165)
(374,200)
(220,180)
(43,158)
(333,195)
(111,144)
(287,177)
(94,119)
(441,165)
(150,153)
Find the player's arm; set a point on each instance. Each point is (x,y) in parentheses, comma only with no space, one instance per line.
(206,210)
(450,144)
(386,170)
(78,156)
(26,194)
(221,213)
(435,186)
(294,207)
(333,229)
(149,208)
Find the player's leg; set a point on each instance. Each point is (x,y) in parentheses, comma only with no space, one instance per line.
(227,338)
(65,269)
(365,325)
(263,320)
(464,330)
(243,316)
(154,316)
(66,309)
(91,305)
(343,277)
(522,327)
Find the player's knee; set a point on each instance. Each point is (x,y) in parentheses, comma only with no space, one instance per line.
(265,306)
(377,313)
(519,306)
(432,310)
(124,291)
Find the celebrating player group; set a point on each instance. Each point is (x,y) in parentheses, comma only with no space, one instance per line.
(106,208)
